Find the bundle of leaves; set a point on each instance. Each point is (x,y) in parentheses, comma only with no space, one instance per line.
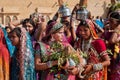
(62,54)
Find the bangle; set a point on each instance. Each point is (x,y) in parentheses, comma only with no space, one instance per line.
(81,69)
(49,64)
(97,67)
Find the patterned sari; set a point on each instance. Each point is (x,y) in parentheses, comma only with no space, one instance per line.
(4,58)
(10,47)
(114,68)
(94,50)
(22,62)
(43,49)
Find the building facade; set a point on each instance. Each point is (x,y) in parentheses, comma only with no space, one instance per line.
(19,9)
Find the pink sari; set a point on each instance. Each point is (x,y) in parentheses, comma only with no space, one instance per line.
(46,75)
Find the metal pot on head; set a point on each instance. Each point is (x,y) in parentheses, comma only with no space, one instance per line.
(64,11)
(82,13)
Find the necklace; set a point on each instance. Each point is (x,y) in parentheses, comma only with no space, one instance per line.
(85,47)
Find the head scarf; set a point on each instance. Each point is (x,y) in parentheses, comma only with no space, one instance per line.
(25,57)
(4,58)
(9,45)
(91,26)
(22,51)
(2,39)
(92,29)
(53,27)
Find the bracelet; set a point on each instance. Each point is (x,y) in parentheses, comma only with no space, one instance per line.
(111,31)
(81,69)
(49,64)
(97,67)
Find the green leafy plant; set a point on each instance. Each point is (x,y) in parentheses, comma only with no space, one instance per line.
(61,53)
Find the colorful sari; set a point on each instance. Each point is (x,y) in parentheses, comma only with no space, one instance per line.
(43,49)
(4,58)
(96,51)
(8,42)
(22,62)
(93,51)
(114,68)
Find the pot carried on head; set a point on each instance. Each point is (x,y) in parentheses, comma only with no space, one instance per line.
(82,13)
(64,11)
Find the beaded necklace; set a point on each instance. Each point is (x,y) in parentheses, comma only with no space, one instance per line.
(85,47)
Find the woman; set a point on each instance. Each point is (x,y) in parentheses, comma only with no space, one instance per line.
(48,59)
(28,24)
(22,61)
(93,51)
(4,58)
(112,37)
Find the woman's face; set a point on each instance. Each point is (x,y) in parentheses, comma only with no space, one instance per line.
(58,36)
(84,32)
(29,27)
(113,23)
(14,39)
(8,30)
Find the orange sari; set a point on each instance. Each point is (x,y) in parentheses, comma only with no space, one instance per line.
(4,58)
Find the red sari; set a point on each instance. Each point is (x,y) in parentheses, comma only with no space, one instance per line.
(95,52)
(4,58)
(94,55)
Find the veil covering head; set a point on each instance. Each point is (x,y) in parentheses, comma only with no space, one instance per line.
(24,57)
(4,57)
(92,29)
(52,28)
(90,25)
(26,51)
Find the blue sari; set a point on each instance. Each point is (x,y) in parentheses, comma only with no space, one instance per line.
(8,42)
(28,62)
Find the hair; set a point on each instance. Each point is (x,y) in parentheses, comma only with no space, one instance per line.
(7,27)
(115,15)
(97,17)
(50,21)
(49,30)
(17,30)
(49,27)
(27,20)
(83,23)
(65,23)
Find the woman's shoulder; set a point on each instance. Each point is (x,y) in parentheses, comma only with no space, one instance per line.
(98,41)
(42,47)
(41,44)
(99,45)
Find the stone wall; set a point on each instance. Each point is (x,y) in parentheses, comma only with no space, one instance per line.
(23,8)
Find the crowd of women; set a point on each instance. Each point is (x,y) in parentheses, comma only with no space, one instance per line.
(60,50)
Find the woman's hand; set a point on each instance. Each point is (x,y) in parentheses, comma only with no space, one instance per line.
(73,70)
(54,63)
(88,68)
(65,64)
